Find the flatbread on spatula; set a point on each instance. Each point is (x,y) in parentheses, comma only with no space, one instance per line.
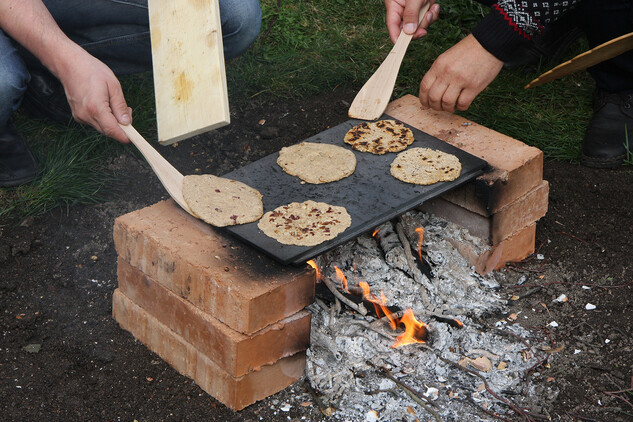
(306,223)
(379,137)
(316,162)
(425,166)
(221,202)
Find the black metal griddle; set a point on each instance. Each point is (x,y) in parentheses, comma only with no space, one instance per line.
(370,195)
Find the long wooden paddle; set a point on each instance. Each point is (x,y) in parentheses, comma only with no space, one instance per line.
(167,174)
(372,99)
(603,52)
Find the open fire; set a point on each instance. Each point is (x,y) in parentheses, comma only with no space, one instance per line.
(359,367)
(414,330)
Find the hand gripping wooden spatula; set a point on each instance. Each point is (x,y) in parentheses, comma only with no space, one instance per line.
(167,174)
(372,99)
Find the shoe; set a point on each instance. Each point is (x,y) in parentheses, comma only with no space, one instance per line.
(605,142)
(45,98)
(547,48)
(17,163)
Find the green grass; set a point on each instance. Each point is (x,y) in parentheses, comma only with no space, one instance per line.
(306,48)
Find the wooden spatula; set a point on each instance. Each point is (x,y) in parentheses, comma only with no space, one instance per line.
(167,174)
(603,52)
(372,99)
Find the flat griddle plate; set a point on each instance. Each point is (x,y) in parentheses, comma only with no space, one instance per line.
(370,195)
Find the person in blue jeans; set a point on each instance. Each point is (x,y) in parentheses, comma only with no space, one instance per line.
(61,58)
(515,26)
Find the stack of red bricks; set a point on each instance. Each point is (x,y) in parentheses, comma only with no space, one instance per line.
(502,206)
(218,312)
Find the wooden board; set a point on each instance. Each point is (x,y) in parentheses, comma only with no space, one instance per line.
(189,74)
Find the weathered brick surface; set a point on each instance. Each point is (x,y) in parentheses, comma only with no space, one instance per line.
(517,167)
(515,248)
(234,392)
(225,278)
(508,220)
(233,351)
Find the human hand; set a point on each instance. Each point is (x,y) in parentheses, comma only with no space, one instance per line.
(95,96)
(458,75)
(403,14)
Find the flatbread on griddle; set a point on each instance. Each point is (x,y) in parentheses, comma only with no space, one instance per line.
(306,223)
(222,202)
(425,166)
(317,163)
(379,137)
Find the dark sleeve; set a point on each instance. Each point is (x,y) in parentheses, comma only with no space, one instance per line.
(511,23)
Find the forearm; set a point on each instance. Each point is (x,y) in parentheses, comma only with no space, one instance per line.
(30,24)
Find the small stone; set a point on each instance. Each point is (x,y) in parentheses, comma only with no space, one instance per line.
(590,306)
(371,416)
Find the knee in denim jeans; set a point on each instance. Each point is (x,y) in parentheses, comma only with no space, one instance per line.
(241,23)
(12,88)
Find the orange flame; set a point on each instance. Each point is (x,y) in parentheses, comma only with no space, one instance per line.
(420,232)
(375,232)
(380,305)
(314,265)
(341,278)
(459,323)
(414,331)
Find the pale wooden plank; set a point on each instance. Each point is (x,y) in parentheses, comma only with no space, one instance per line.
(188,64)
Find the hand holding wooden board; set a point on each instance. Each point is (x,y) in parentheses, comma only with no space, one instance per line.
(188,64)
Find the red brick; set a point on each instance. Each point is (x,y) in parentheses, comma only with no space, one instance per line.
(234,392)
(515,248)
(494,229)
(225,278)
(517,167)
(233,351)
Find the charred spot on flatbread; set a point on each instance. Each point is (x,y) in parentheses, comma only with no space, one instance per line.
(379,137)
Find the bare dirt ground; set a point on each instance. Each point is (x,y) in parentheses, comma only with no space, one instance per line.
(63,357)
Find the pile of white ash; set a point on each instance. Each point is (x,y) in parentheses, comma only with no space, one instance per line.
(476,363)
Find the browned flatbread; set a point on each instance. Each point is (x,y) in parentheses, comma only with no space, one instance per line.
(316,162)
(306,223)
(425,166)
(379,137)
(221,202)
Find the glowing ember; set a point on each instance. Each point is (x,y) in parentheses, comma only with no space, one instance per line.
(375,233)
(420,232)
(414,331)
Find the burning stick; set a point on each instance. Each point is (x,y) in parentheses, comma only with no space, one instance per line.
(360,308)
(415,271)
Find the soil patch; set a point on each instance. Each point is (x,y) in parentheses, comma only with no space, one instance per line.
(63,357)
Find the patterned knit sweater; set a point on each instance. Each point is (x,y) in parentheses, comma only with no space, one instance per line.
(511,23)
